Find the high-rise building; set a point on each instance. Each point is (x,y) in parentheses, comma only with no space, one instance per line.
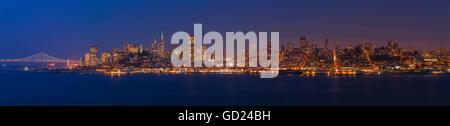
(91,58)
(192,43)
(154,47)
(116,55)
(130,48)
(303,42)
(94,50)
(336,44)
(141,48)
(390,44)
(107,58)
(314,45)
(161,45)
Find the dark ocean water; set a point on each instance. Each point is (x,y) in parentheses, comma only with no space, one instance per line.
(31,89)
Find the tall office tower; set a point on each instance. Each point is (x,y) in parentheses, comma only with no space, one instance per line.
(303,42)
(116,55)
(390,43)
(326,44)
(314,45)
(192,38)
(154,47)
(91,58)
(336,43)
(94,50)
(390,46)
(335,61)
(141,48)
(269,48)
(107,58)
(395,45)
(130,48)
(161,44)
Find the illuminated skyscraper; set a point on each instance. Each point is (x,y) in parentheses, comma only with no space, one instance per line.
(107,58)
(161,45)
(192,43)
(155,48)
(91,58)
(314,45)
(94,50)
(303,42)
(116,55)
(130,48)
(336,44)
(141,48)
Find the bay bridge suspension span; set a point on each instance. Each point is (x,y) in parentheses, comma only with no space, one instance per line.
(41,58)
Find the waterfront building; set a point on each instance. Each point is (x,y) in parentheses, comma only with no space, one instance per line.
(107,58)
(91,58)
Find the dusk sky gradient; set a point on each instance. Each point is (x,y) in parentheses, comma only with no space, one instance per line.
(66,28)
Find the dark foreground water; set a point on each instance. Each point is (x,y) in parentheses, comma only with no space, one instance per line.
(30,89)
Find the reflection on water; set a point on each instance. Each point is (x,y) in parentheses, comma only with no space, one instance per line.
(25,88)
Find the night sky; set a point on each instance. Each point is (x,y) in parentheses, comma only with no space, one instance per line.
(66,28)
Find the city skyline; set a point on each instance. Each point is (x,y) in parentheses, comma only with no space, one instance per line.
(326,44)
(224,61)
(64,29)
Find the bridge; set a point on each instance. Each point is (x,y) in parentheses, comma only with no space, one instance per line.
(40,57)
